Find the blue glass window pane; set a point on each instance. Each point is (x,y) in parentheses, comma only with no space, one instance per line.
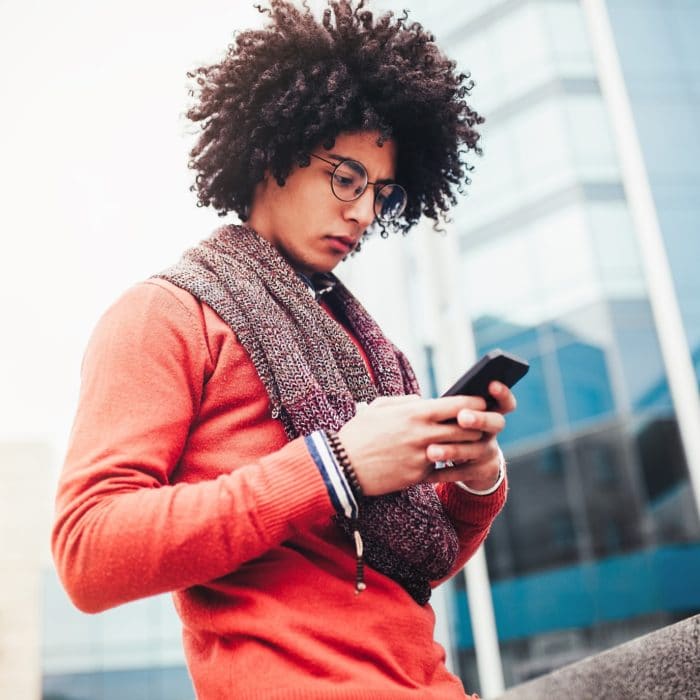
(660,58)
(585,381)
(640,355)
(172,683)
(533,416)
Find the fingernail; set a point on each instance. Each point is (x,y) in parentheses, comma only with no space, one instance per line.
(437,455)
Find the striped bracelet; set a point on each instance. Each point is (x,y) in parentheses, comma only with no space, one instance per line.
(344,463)
(341,457)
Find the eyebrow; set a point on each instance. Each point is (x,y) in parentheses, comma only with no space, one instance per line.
(381,181)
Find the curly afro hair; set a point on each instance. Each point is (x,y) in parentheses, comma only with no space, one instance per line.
(284,90)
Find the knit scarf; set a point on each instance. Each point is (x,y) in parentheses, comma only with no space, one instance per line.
(314,376)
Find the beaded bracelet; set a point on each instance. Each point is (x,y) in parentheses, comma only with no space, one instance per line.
(341,457)
(344,463)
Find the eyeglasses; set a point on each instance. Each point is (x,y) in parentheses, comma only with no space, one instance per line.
(349,180)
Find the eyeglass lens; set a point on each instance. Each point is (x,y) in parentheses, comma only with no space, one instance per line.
(350,180)
(390,201)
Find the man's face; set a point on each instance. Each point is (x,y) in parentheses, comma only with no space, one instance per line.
(305,221)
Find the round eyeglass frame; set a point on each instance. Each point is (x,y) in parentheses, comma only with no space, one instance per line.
(360,169)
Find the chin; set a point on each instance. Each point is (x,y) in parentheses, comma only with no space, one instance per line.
(322,268)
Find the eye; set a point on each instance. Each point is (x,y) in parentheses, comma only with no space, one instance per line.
(344,179)
(351,174)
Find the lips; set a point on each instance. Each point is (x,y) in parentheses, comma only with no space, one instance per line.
(343,244)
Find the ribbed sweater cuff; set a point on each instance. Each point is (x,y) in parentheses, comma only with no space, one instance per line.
(473,509)
(300,497)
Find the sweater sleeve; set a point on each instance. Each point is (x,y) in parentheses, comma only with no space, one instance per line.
(123,530)
(471,515)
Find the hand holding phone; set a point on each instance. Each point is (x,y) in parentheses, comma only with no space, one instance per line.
(496,365)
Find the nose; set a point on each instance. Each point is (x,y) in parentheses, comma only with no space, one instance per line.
(361,209)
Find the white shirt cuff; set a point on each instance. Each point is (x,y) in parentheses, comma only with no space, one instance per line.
(494,488)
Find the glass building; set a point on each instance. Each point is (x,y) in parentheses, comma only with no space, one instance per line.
(133,651)
(600,539)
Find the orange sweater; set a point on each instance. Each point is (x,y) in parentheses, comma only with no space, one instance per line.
(178,479)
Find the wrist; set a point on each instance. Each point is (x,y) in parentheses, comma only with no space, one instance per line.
(343,462)
(480,489)
(340,490)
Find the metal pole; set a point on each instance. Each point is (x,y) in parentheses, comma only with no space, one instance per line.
(438,264)
(683,383)
(488,653)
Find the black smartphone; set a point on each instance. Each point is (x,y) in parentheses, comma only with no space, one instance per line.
(496,365)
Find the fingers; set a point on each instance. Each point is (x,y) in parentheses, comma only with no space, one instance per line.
(484,464)
(504,396)
(447,407)
(486,472)
(453,432)
(485,421)
(461,452)
(394,441)
(453,419)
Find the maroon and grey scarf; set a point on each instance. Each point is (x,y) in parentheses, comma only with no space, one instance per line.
(314,376)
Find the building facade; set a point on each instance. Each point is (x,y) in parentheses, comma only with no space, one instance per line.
(133,651)
(600,539)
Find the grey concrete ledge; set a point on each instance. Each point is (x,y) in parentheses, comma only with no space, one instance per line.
(661,665)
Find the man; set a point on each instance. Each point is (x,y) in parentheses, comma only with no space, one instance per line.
(220,449)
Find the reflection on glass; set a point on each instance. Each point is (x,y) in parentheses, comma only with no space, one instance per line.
(568,382)
(599,540)
(524,537)
(133,651)
(598,543)
(566,31)
(660,58)
(665,476)
(585,381)
(640,354)
(591,138)
(134,684)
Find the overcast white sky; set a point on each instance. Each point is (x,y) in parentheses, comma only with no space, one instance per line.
(93,179)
